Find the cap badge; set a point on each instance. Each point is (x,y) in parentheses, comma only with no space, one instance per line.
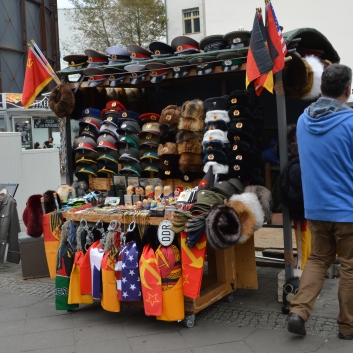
(236,167)
(106,126)
(149,153)
(186,177)
(154,73)
(81,144)
(211,138)
(199,60)
(157,52)
(86,128)
(167,172)
(165,149)
(212,128)
(239,157)
(176,69)
(148,137)
(180,47)
(124,125)
(166,162)
(214,103)
(90,59)
(228,62)
(236,138)
(110,118)
(236,113)
(168,117)
(111,77)
(124,115)
(236,40)
(72,63)
(215,117)
(239,125)
(210,148)
(149,126)
(87,111)
(235,147)
(133,55)
(101,143)
(211,157)
(88,120)
(153,117)
(114,56)
(113,104)
(234,100)
(134,74)
(183,195)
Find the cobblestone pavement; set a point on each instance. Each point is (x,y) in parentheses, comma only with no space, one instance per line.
(250,308)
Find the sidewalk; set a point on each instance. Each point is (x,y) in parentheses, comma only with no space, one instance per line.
(252,323)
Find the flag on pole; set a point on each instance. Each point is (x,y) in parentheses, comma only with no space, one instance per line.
(259,64)
(274,34)
(36,78)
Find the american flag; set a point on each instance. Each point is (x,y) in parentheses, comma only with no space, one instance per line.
(283,43)
(127,274)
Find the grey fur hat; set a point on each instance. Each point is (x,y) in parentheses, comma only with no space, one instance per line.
(223,228)
(265,197)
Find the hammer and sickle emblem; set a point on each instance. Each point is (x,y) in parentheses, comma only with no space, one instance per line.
(30,62)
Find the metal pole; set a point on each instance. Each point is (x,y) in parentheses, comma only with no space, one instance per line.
(283,153)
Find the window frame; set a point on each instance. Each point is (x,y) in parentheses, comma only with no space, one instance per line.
(191,17)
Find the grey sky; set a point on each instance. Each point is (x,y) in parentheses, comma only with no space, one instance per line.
(63,4)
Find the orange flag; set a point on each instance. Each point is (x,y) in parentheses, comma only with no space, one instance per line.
(193,261)
(151,282)
(36,78)
(169,262)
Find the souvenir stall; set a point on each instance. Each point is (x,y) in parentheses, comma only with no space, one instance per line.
(170,175)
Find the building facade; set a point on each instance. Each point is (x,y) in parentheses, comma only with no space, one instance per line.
(201,18)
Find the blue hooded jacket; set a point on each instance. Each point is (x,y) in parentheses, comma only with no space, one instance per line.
(325,144)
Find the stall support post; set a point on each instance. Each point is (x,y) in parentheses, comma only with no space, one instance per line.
(283,153)
(69,171)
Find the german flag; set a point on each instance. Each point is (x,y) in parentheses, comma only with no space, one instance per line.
(259,64)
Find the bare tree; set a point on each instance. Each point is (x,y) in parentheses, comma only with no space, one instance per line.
(115,22)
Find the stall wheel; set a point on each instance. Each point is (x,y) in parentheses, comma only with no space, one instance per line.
(189,321)
(230,298)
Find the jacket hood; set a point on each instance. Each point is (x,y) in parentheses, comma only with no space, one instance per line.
(319,125)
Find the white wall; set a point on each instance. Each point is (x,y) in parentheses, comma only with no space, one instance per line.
(333,19)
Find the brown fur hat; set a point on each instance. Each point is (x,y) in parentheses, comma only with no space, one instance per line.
(170,115)
(190,162)
(191,124)
(193,109)
(246,218)
(167,148)
(62,100)
(265,197)
(193,146)
(223,227)
(185,135)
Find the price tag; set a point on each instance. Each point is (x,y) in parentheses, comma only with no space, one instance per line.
(165,234)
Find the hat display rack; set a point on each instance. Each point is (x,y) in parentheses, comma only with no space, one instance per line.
(214,143)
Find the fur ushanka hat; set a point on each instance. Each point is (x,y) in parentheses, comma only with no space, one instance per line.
(223,227)
(191,124)
(265,197)
(62,101)
(193,109)
(32,216)
(246,218)
(184,135)
(253,203)
(170,115)
(192,146)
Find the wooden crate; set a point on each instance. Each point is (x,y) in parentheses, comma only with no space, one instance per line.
(101,184)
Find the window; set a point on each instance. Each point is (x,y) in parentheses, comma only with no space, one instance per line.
(191,20)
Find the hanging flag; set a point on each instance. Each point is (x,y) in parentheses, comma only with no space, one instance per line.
(169,262)
(96,256)
(258,63)
(36,78)
(274,35)
(193,262)
(151,282)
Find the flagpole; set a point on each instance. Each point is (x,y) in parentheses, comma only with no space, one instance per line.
(55,77)
(41,62)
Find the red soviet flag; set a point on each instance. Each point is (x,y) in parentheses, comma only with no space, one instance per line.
(151,282)
(36,78)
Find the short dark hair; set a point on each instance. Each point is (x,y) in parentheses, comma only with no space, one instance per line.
(335,79)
